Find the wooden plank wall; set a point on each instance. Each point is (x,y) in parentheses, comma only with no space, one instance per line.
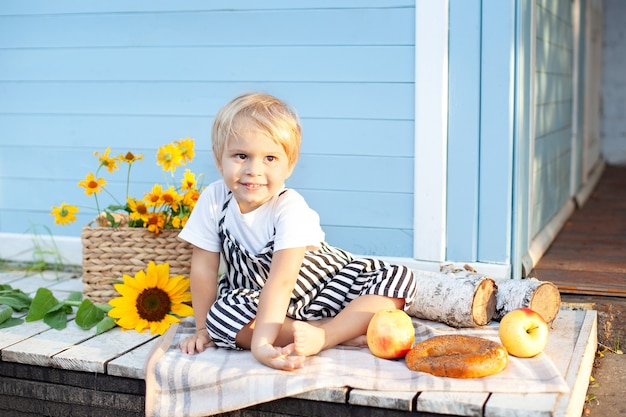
(77,77)
(552,157)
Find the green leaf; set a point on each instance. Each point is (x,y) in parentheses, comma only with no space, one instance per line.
(105,324)
(43,302)
(11,322)
(5,313)
(17,299)
(88,315)
(75,296)
(104,307)
(57,319)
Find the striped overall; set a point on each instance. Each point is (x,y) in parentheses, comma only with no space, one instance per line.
(329,279)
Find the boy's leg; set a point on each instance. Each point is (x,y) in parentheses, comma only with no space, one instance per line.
(349,324)
(285,337)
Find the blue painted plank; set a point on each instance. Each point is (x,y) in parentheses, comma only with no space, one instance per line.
(463,131)
(320,136)
(552,150)
(336,208)
(372,241)
(10,7)
(368,174)
(378,101)
(496,125)
(358,240)
(553,59)
(361,209)
(328,172)
(365,26)
(215,64)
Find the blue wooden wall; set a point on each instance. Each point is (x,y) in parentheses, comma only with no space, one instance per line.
(553,114)
(480,137)
(77,76)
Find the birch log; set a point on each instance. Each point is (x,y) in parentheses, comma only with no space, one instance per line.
(541,296)
(456,298)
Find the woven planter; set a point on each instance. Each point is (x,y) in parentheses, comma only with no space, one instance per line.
(109,253)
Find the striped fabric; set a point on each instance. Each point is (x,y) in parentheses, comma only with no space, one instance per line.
(220,380)
(329,279)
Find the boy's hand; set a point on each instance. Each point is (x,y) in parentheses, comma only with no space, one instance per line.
(196,342)
(279,358)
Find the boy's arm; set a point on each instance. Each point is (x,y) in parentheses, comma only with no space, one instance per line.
(273,303)
(203,279)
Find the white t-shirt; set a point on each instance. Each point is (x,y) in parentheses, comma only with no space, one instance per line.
(295,223)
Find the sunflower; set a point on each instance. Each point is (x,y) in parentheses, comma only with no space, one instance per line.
(64,214)
(149,299)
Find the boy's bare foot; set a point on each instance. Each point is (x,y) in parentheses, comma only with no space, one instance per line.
(359,341)
(308,340)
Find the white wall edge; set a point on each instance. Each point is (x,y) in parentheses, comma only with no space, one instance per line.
(431,129)
(24,247)
(492,270)
(585,191)
(544,239)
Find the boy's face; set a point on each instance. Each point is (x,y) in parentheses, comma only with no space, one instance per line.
(254,168)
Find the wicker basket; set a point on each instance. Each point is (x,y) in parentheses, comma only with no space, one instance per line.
(109,253)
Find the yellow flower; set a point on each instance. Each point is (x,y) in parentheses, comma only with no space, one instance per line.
(160,208)
(138,210)
(106,160)
(186,149)
(129,158)
(91,184)
(148,299)
(190,198)
(170,198)
(179,222)
(156,222)
(170,157)
(188,181)
(153,197)
(64,214)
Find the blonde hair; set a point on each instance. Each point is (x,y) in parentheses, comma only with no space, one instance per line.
(264,112)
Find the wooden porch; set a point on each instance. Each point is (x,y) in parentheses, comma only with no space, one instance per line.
(73,372)
(588,255)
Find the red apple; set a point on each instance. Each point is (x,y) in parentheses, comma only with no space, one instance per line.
(523,332)
(390,334)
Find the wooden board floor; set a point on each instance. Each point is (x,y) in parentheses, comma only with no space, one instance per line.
(588,255)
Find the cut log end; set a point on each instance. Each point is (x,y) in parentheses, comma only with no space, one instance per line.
(546,300)
(484,302)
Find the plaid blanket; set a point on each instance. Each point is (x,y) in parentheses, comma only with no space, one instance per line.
(221,380)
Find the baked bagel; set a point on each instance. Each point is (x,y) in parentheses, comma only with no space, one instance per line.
(457,356)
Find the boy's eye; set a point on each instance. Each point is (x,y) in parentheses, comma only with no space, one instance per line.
(240,156)
(270,158)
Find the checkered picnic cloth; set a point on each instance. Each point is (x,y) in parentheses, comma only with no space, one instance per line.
(221,380)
